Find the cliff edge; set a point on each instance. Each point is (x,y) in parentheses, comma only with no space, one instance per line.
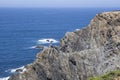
(89,52)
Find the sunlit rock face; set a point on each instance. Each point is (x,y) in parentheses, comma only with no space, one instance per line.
(84,53)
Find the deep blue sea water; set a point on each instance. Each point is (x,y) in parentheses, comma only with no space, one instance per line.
(20,29)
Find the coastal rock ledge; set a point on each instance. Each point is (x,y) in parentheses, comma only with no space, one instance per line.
(89,52)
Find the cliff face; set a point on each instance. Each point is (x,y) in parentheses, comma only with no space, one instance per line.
(84,53)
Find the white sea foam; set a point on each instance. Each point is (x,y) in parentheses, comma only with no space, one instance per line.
(5,78)
(32,47)
(44,41)
(47,40)
(77,29)
(14,70)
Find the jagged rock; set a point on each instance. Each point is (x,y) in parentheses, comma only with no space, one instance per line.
(39,47)
(84,53)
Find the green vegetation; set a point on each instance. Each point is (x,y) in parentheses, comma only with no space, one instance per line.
(108,76)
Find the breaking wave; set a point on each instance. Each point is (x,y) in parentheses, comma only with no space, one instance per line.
(5,78)
(14,70)
(32,47)
(47,40)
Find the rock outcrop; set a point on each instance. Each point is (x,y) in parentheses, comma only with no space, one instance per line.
(84,53)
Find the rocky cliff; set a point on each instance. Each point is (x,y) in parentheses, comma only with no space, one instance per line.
(84,53)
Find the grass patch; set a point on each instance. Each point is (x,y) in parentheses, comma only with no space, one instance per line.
(108,76)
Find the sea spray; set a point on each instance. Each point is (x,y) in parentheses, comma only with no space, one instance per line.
(47,41)
(5,78)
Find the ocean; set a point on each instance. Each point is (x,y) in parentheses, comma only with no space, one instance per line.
(22,29)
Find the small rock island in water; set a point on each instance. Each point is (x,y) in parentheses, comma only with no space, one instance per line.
(82,54)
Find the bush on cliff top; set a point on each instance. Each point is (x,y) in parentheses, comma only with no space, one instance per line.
(108,76)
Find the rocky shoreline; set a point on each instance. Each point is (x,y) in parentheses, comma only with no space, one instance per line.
(84,53)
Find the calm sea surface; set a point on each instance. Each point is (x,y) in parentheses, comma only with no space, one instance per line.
(22,29)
